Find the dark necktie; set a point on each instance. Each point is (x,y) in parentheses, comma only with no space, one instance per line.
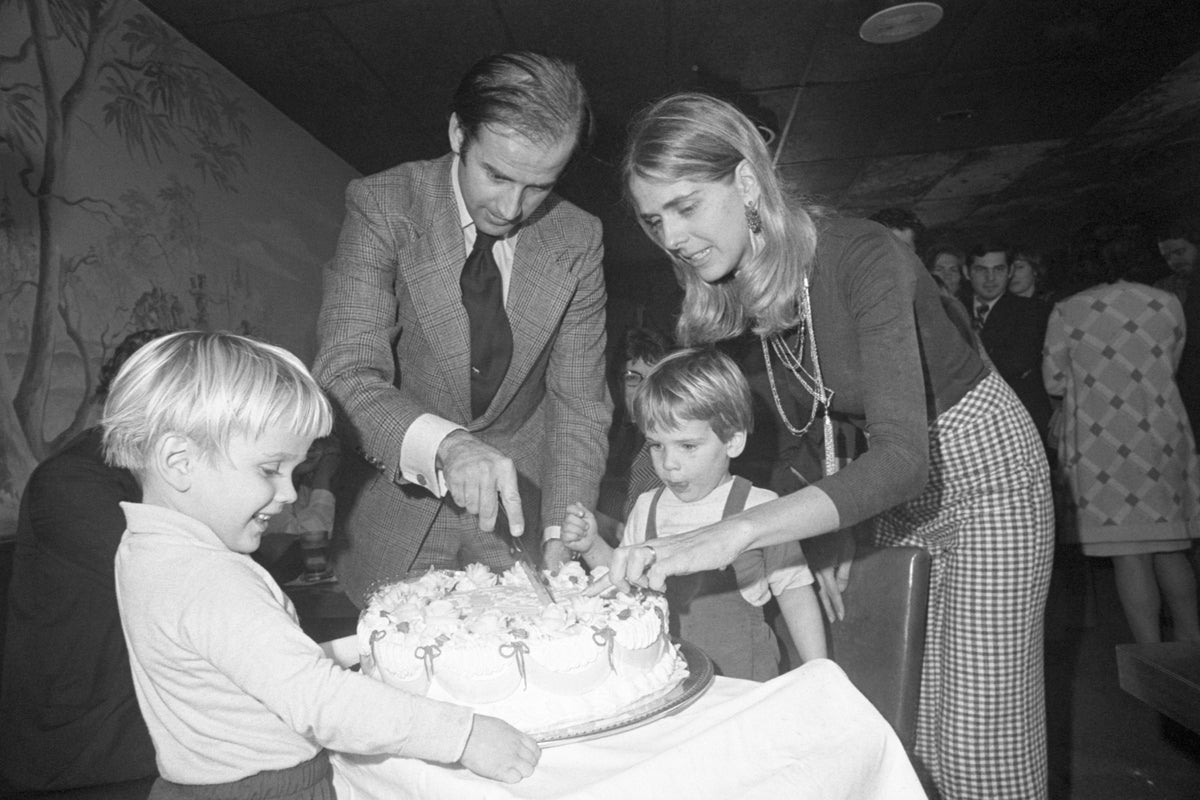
(981,312)
(491,337)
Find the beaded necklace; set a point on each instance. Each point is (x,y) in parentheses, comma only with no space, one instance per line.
(812,383)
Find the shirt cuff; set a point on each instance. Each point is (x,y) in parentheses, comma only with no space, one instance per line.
(418,452)
(552,532)
(438,731)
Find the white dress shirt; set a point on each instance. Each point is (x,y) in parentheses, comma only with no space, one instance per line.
(418,451)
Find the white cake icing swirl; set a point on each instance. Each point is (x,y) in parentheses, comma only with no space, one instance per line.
(475,638)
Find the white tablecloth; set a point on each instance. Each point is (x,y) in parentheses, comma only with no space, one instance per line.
(806,734)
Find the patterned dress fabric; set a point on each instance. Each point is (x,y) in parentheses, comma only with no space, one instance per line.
(900,369)
(984,515)
(1125,443)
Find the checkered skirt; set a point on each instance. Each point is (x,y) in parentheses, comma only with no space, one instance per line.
(987,519)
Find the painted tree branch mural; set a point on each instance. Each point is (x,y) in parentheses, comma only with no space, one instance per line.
(155,96)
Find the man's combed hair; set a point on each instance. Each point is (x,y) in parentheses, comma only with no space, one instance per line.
(209,387)
(981,249)
(695,384)
(539,96)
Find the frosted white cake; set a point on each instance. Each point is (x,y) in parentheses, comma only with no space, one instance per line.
(482,640)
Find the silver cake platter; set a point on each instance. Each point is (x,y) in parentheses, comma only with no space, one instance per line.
(686,692)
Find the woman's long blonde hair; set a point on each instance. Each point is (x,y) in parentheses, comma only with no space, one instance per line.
(697,137)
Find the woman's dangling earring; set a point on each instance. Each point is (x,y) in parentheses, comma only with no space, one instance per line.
(753,220)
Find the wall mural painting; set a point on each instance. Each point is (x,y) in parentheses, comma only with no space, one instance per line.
(121,148)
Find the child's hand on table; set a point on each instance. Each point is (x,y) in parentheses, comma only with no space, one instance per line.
(498,751)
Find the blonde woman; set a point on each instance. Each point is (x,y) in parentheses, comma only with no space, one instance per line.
(851,326)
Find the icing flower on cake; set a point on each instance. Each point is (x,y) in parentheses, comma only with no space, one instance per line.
(590,610)
(487,622)
(407,611)
(570,575)
(434,583)
(554,619)
(441,617)
(391,596)
(477,576)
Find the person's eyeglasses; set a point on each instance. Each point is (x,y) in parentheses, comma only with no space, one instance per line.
(632,378)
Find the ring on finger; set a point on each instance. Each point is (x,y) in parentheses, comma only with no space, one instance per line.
(653,555)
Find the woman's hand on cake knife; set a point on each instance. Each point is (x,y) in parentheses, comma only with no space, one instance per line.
(498,751)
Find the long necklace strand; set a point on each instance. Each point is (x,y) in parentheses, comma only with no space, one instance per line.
(812,383)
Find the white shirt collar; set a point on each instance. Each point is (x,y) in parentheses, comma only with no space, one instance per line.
(464,216)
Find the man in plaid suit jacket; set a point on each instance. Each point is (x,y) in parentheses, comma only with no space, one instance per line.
(394,339)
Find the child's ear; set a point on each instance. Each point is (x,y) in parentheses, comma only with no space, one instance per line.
(736,444)
(174,459)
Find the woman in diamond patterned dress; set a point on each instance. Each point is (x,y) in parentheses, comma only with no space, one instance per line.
(1124,443)
(850,320)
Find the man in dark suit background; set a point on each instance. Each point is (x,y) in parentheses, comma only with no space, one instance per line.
(1179,244)
(1011,329)
(458,419)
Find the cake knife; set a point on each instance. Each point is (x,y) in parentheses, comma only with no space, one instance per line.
(541,587)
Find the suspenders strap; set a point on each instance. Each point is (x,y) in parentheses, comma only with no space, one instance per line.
(737,497)
(738,494)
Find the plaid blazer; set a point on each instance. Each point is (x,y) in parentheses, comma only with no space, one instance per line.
(394,343)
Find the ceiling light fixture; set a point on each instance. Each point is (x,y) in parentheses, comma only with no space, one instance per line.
(896,22)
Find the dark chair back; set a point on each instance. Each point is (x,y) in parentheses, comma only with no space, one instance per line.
(7,548)
(881,641)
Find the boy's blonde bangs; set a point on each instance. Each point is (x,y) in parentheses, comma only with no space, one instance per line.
(695,384)
(209,387)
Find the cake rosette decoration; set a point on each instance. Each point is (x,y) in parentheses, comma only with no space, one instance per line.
(571,577)
(590,610)
(489,621)
(476,576)
(442,618)
(638,629)
(433,583)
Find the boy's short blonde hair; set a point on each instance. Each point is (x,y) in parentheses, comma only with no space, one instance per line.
(695,384)
(209,387)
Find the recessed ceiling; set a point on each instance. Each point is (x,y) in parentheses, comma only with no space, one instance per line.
(1020,118)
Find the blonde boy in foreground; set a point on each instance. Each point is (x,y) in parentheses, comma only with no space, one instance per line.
(239,701)
(694,408)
